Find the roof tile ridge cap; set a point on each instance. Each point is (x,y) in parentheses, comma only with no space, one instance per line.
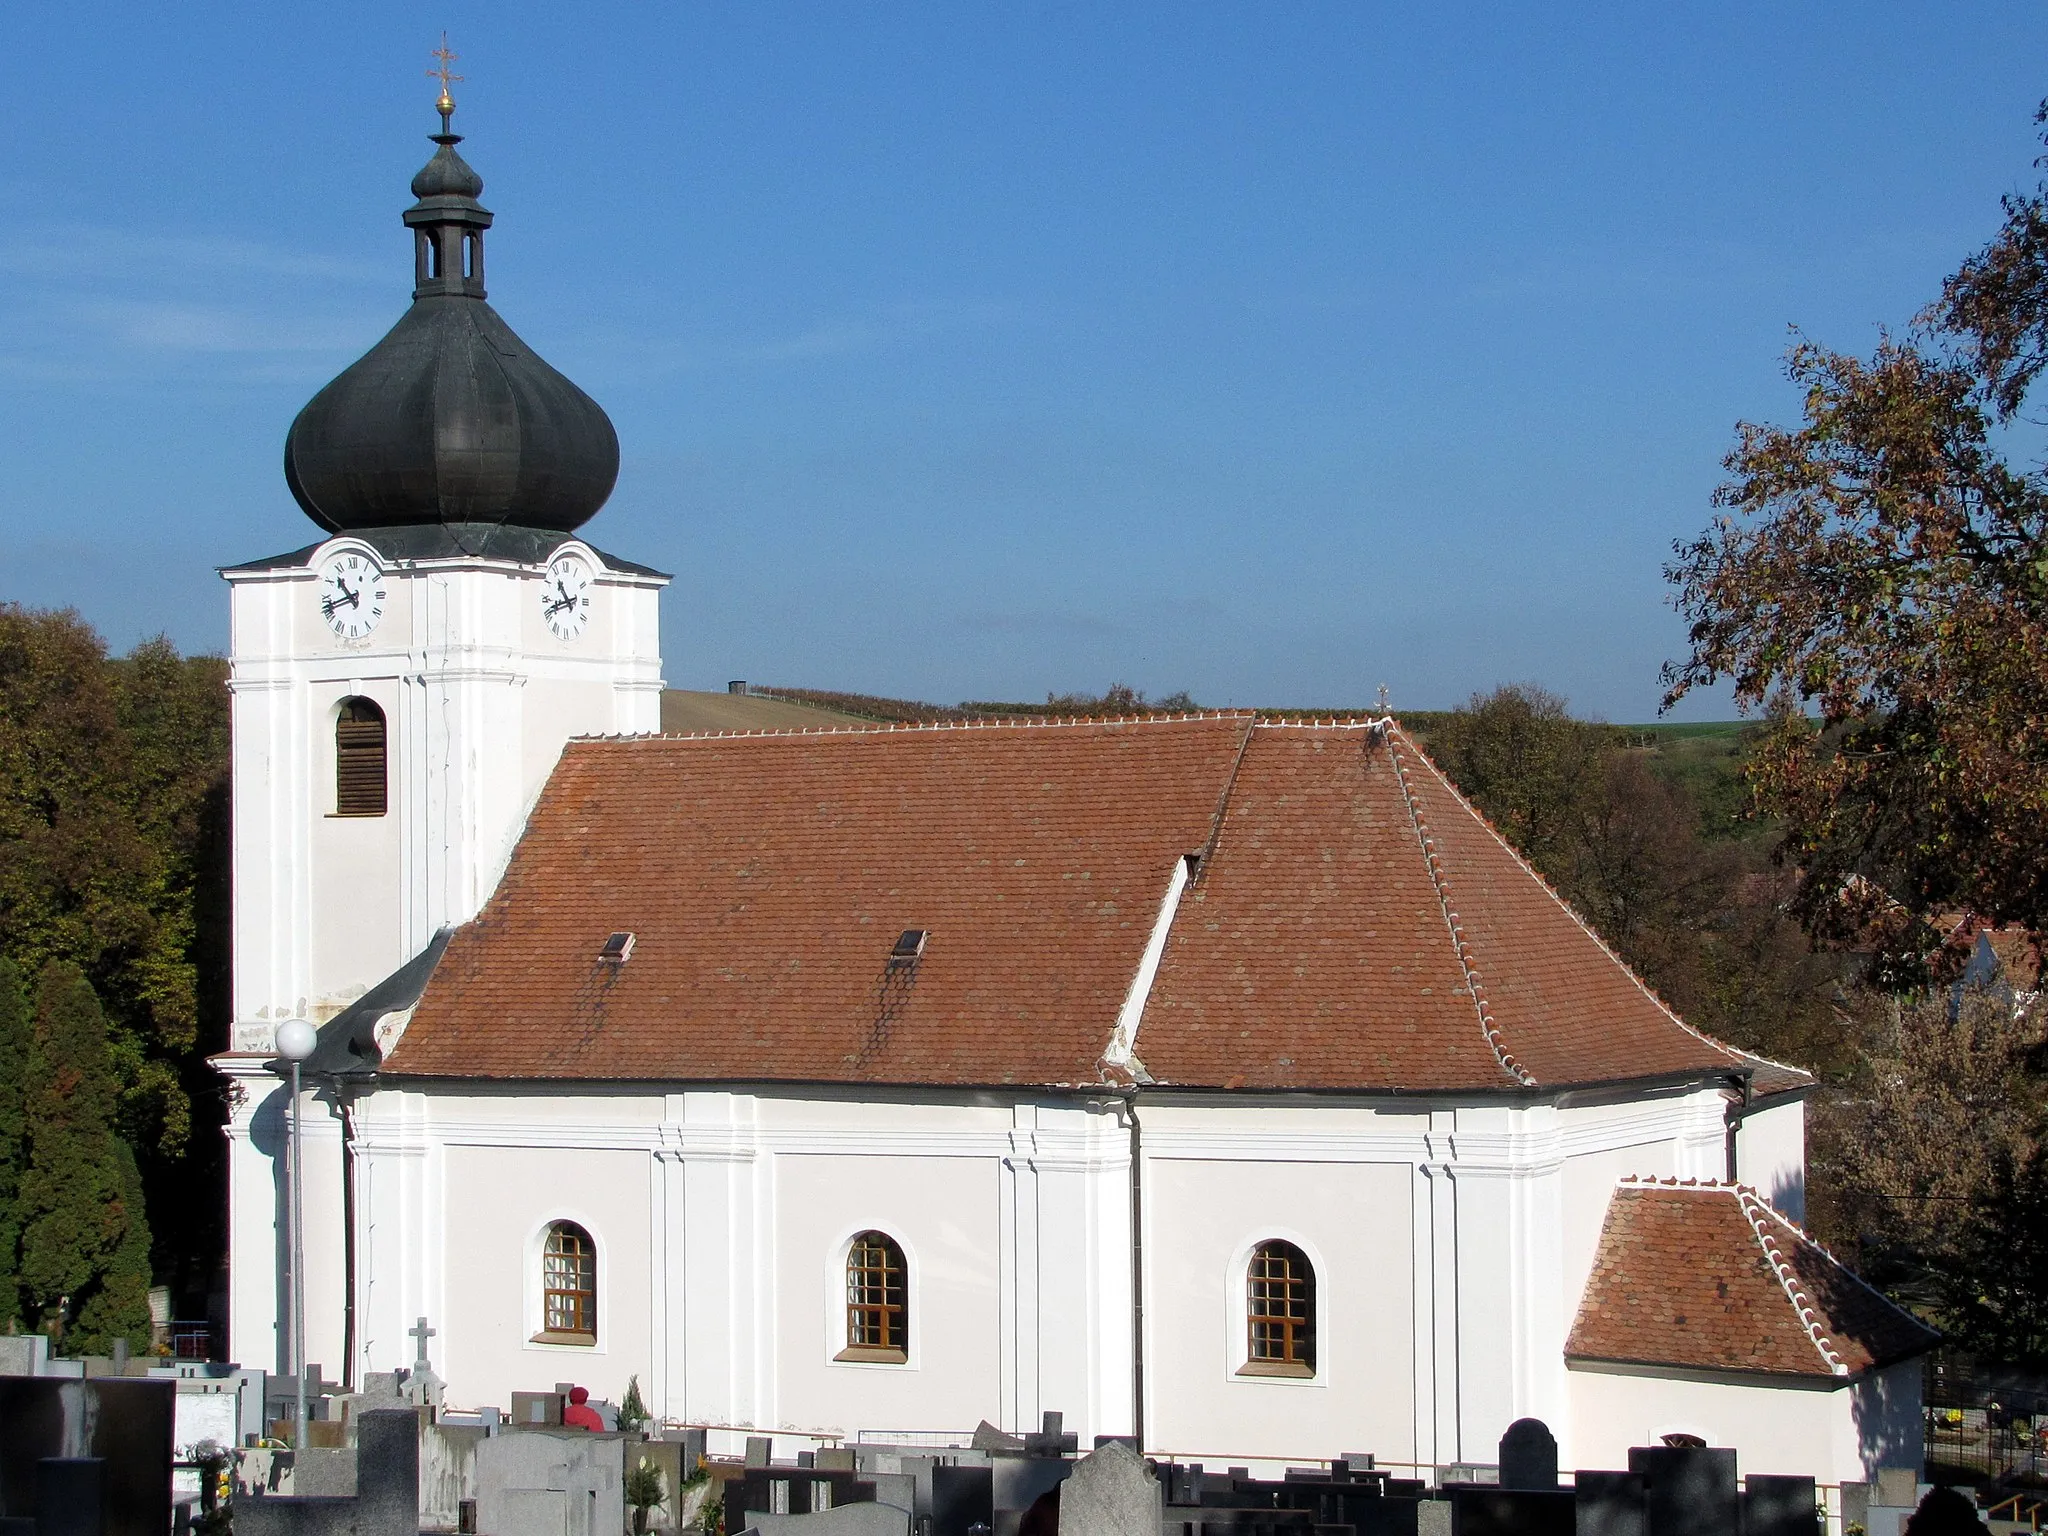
(1753,1208)
(1772,1061)
(1802,1235)
(1437,880)
(1569,910)
(1206,854)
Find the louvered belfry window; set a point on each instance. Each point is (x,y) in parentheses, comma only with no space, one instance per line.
(569,1279)
(877,1297)
(1280,1307)
(360,760)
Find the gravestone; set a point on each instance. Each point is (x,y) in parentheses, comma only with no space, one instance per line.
(421,1387)
(125,1421)
(386,1502)
(760,1450)
(1778,1506)
(1898,1488)
(962,1498)
(537,1410)
(1018,1482)
(1110,1494)
(1690,1490)
(551,1482)
(1052,1438)
(1613,1503)
(895,1488)
(24,1354)
(988,1438)
(834,1458)
(71,1496)
(840,1520)
(1432,1517)
(1528,1456)
(1494,1511)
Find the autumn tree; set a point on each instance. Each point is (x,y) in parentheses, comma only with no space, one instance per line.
(84,1235)
(1877,587)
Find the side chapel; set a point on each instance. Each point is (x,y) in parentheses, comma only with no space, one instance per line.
(1216,1079)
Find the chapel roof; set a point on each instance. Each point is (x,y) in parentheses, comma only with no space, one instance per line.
(1711,1277)
(1351,922)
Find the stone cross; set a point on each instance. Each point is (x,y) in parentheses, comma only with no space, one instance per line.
(421,1332)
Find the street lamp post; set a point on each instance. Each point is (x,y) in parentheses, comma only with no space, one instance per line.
(295,1041)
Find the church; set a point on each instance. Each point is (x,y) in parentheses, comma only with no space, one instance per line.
(1216,1079)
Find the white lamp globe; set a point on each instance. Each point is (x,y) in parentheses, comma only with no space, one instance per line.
(296,1039)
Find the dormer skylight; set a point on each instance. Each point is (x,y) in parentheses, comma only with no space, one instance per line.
(617,950)
(909,948)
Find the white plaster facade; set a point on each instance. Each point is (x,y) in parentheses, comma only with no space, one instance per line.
(478,697)
(1451,1239)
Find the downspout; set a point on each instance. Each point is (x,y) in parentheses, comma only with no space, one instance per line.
(1137,1270)
(346,1100)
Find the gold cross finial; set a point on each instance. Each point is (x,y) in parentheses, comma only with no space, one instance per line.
(446,105)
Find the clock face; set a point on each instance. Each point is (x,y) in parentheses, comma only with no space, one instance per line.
(565,597)
(351,595)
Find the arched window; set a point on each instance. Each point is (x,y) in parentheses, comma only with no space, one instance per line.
(569,1286)
(359,759)
(1280,1312)
(877,1300)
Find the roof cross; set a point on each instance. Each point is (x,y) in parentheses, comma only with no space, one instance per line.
(446,105)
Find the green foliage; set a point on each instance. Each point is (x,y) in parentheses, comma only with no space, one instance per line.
(113,859)
(644,1490)
(84,1234)
(15,1041)
(1991,1297)
(1878,588)
(632,1408)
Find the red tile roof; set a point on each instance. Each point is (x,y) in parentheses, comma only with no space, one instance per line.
(1353,924)
(1710,1277)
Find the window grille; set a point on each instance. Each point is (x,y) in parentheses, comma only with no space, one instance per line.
(569,1277)
(877,1299)
(1280,1307)
(359,759)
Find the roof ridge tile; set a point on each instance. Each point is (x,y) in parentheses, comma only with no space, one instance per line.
(1802,1306)
(1393,729)
(1441,882)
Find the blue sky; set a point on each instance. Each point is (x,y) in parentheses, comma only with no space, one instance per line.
(1274,352)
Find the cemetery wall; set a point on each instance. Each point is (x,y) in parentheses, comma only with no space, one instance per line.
(1775,1425)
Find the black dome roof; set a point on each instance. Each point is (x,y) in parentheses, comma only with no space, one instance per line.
(451,418)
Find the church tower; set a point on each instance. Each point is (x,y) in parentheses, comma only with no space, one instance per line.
(402,688)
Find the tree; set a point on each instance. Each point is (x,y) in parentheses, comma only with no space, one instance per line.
(1932,1167)
(15,1041)
(84,1236)
(113,858)
(1878,587)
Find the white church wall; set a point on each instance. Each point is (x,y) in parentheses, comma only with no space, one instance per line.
(943,1213)
(490,1299)
(1352,1220)
(1770,1153)
(1776,1425)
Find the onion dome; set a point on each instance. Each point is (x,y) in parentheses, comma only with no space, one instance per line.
(451,418)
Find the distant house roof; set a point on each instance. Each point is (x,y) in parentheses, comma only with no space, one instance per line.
(1350,924)
(1710,1277)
